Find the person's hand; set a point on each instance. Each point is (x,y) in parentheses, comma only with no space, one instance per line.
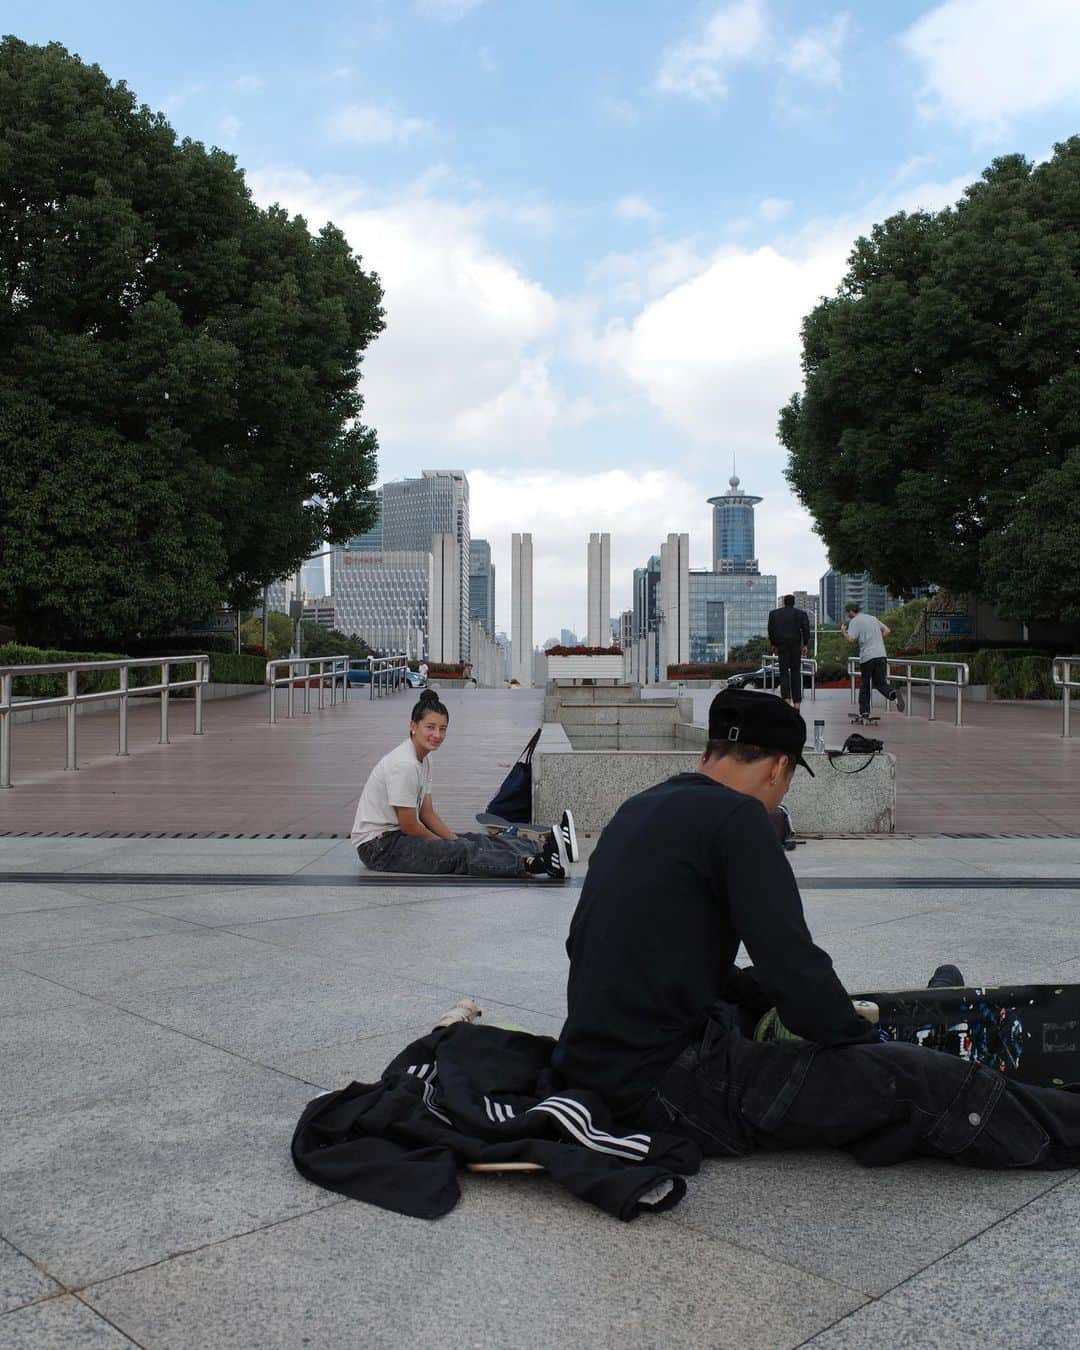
(805,650)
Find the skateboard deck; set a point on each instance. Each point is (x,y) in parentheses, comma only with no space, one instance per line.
(858,718)
(1030,1032)
(530,830)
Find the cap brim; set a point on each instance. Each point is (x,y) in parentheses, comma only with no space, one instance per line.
(806,766)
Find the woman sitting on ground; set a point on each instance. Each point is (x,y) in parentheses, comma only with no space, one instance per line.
(397,828)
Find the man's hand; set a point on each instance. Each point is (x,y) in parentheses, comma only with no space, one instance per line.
(805,650)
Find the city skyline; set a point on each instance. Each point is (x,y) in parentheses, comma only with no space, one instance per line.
(597,238)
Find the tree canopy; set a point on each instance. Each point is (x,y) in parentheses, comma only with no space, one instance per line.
(179,410)
(938,435)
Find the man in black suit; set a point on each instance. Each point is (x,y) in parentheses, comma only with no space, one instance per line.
(789,633)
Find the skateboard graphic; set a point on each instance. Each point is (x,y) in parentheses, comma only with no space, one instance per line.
(1030,1032)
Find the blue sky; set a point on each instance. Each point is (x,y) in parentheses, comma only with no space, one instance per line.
(598,223)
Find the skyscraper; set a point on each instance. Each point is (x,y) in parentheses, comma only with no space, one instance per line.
(838,589)
(482,585)
(598,628)
(733,530)
(646,588)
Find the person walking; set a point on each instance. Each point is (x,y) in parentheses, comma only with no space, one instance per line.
(870,634)
(789,633)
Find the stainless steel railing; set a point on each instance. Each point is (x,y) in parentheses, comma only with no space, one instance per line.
(72,698)
(771,666)
(386,674)
(1062,675)
(305,671)
(902,669)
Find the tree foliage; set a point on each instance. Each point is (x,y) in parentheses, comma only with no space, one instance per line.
(938,435)
(178,367)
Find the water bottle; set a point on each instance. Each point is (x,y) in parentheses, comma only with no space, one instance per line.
(819,737)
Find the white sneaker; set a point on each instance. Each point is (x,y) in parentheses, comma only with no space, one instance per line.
(569,834)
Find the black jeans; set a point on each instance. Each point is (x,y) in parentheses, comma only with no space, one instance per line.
(475,855)
(789,659)
(875,675)
(881,1102)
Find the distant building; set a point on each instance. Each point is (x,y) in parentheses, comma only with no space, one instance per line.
(804,600)
(384,598)
(321,611)
(733,530)
(646,601)
(482,585)
(625,635)
(502,641)
(729,606)
(568,638)
(836,590)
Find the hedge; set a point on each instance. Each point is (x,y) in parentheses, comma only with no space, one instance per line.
(720,670)
(229,668)
(225,668)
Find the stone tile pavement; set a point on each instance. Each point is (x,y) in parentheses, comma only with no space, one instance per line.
(158,1041)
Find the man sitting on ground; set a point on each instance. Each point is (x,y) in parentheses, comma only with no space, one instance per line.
(659,1016)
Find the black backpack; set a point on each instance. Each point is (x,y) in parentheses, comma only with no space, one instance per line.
(513,801)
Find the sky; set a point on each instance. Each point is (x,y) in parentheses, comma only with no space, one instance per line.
(598,223)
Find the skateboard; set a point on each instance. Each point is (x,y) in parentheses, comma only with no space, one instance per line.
(857,719)
(1030,1032)
(528,830)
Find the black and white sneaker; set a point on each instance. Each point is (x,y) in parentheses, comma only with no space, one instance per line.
(569,834)
(900,701)
(552,860)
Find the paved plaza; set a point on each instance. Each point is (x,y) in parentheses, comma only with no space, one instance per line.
(169,1005)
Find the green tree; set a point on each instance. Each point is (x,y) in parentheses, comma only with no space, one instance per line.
(938,435)
(178,368)
(279,637)
(754,650)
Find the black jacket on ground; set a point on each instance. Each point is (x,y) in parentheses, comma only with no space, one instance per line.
(469,1093)
(789,627)
(682,873)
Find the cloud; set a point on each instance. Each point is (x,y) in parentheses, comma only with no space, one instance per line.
(447,11)
(372,124)
(698,67)
(247,84)
(633,208)
(465,361)
(773,209)
(230,129)
(985,63)
(816,54)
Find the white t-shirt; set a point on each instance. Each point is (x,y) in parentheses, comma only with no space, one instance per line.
(399,779)
(422,669)
(868,631)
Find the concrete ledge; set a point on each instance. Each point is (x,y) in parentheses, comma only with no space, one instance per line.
(844,798)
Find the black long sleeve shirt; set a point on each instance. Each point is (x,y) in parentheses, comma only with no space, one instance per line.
(682,873)
(789,626)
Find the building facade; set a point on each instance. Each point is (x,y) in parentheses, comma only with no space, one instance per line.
(384,597)
(836,590)
(521,607)
(804,600)
(482,585)
(726,610)
(646,601)
(674,613)
(444,604)
(733,530)
(598,627)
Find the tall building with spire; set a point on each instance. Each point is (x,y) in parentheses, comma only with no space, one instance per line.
(733,531)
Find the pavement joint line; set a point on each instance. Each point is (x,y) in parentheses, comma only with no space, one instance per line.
(1062,1178)
(77,1294)
(419,881)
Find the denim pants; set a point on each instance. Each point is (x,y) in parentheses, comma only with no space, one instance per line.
(875,675)
(474,855)
(789,659)
(882,1102)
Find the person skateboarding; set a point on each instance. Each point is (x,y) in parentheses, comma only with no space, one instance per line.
(789,634)
(659,1019)
(397,829)
(870,633)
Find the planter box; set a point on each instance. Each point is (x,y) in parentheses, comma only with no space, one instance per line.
(585,668)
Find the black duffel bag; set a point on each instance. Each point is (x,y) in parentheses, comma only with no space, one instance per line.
(513,801)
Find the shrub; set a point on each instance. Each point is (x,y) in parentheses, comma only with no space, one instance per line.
(182,643)
(584,651)
(703,670)
(53,686)
(1024,677)
(229,668)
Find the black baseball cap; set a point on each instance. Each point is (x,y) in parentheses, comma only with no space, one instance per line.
(754,718)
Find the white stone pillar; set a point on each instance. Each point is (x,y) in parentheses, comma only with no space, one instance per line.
(444,605)
(521,605)
(599,597)
(675,601)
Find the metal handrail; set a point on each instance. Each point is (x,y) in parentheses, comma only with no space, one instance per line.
(771,666)
(958,681)
(386,674)
(299,669)
(72,699)
(1061,674)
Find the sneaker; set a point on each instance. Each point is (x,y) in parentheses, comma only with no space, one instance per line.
(569,834)
(946,977)
(901,702)
(552,860)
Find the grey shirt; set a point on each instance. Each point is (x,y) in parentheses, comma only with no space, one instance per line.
(867,631)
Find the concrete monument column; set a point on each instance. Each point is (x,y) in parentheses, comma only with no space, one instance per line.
(599,612)
(521,608)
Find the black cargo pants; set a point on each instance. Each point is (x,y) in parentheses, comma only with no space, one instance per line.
(789,660)
(881,1102)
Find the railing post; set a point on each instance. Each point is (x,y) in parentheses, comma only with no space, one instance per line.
(933,688)
(959,701)
(200,667)
(163,738)
(271,676)
(292,689)
(123,728)
(5,730)
(1066,697)
(322,685)
(307,686)
(908,708)
(72,689)
(371,679)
